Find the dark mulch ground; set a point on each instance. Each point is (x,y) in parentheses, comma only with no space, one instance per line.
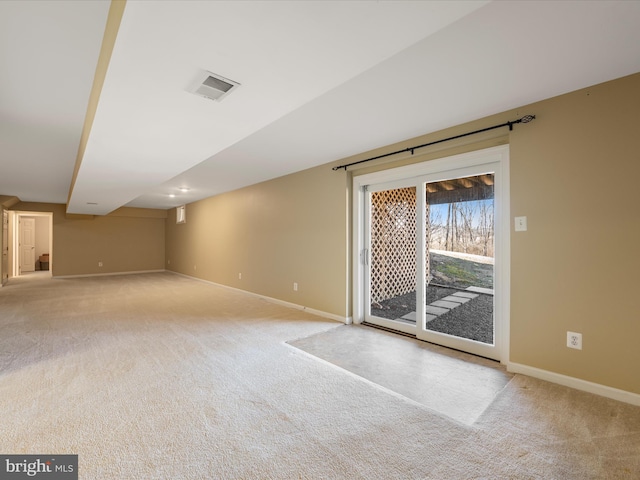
(472,320)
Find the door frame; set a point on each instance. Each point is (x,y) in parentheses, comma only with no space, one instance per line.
(15,240)
(4,254)
(495,155)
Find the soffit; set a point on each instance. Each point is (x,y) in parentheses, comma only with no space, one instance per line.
(148,128)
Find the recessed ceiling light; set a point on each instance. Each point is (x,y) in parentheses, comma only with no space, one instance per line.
(184,189)
(172,196)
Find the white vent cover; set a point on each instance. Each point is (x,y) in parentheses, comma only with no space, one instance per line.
(212,86)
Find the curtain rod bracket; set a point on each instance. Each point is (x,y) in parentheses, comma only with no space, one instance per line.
(510,124)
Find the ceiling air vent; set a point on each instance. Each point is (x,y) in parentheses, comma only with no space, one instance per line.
(212,86)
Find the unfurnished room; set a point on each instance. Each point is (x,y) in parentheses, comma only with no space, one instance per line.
(319,240)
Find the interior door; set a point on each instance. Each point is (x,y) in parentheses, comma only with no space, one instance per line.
(430,257)
(27,244)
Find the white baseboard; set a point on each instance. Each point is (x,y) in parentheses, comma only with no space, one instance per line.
(320,313)
(107,274)
(578,384)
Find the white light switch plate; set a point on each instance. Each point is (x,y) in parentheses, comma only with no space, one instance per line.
(521,224)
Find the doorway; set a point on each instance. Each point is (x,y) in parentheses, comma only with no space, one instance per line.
(433,251)
(31,243)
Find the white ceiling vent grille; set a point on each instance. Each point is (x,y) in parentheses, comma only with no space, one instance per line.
(212,86)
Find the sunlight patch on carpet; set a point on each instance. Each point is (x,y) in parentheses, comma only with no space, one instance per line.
(457,385)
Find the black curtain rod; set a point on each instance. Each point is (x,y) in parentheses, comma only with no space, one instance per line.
(525,119)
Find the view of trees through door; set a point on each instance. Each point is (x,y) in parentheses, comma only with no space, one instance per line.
(459,258)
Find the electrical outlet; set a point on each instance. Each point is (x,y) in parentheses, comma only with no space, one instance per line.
(574,340)
(295,286)
(240,276)
(194,267)
(99,264)
(168,262)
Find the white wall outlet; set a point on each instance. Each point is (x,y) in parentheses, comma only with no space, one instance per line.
(574,340)
(521,224)
(168,262)
(99,264)
(194,267)
(295,286)
(240,276)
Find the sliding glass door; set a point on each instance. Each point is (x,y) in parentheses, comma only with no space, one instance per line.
(428,249)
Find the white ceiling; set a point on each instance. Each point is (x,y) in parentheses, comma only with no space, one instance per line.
(319,81)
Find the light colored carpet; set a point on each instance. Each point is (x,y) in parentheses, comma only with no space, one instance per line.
(159,376)
(455,384)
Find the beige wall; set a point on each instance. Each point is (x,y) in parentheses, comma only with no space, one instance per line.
(572,174)
(577,268)
(291,229)
(127,240)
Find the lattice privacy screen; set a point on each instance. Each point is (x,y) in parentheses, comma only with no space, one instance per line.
(394,243)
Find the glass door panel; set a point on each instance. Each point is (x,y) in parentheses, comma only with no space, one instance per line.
(460,291)
(392,253)
(459,274)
